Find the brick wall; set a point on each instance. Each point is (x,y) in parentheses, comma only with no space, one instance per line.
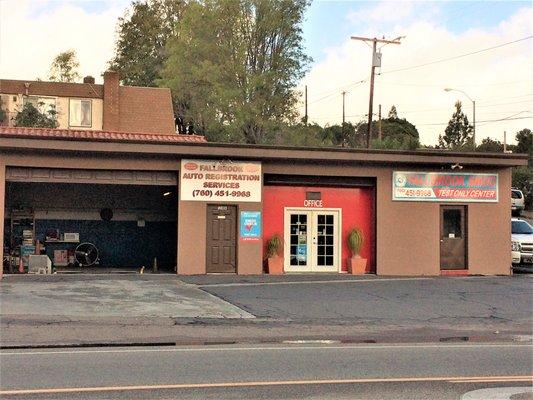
(111,111)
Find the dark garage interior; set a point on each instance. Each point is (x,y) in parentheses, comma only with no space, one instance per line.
(131,226)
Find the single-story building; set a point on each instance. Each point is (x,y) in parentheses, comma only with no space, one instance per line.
(199,207)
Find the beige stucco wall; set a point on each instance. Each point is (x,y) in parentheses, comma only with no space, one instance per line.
(407,233)
(2,199)
(62,107)
(14,103)
(408,240)
(192,216)
(489,229)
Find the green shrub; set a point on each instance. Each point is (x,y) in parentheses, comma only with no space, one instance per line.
(355,241)
(274,246)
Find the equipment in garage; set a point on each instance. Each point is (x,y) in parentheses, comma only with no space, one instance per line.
(22,237)
(128,217)
(86,254)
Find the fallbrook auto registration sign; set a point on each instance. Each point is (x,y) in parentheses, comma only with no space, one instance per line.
(443,186)
(212,180)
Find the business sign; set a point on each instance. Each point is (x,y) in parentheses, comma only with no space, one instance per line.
(250,225)
(444,186)
(212,180)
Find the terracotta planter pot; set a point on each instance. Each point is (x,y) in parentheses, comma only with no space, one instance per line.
(275,265)
(357,266)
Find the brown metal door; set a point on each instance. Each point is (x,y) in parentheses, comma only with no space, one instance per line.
(453,237)
(221,239)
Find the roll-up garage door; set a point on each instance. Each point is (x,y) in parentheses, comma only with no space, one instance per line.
(93,176)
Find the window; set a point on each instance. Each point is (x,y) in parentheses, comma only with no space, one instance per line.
(452,223)
(80,112)
(43,104)
(521,228)
(516,194)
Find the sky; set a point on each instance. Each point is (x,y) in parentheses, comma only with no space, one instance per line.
(500,80)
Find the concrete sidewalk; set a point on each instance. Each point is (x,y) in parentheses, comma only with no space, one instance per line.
(117,296)
(125,309)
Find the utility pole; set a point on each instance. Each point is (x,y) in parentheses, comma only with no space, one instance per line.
(305,100)
(343,113)
(343,119)
(474,121)
(379,123)
(505,141)
(376,62)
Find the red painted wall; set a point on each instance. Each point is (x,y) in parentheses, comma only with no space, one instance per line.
(357,211)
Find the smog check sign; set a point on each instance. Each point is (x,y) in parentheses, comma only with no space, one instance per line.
(215,180)
(444,187)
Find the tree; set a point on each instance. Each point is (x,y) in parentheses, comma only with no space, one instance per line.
(343,135)
(31,116)
(458,133)
(142,36)
(396,133)
(490,146)
(525,144)
(3,114)
(393,114)
(303,135)
(233,65)
(64,67)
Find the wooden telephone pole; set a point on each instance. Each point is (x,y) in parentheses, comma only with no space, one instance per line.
(379,123)
(305,100)
(376,62)
(343,113)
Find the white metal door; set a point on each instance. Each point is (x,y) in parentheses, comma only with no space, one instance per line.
(312,240)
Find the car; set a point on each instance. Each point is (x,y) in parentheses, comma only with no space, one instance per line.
(517,201)
(521,245)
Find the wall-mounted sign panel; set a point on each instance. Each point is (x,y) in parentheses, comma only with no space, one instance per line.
(250,225)
(444,187)
(213,180)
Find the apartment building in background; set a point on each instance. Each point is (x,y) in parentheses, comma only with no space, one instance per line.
(95,107)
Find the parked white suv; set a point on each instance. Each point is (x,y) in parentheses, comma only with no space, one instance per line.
(517,201)
(521,245)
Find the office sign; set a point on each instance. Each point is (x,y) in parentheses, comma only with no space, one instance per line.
(250,225)
(444,187)
(220,181)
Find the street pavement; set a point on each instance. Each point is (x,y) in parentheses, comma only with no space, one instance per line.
(439,301)
(162,309)
(306,371)
(118,296)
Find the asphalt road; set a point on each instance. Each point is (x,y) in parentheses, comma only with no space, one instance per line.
(309,371)
(389,301)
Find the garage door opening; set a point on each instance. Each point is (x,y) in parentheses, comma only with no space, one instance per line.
(125,227)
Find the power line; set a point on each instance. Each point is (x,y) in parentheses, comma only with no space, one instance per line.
(456,57)
(485,121)
(446,84)
(481,106)
(511,117)
(323,98)
(336,90)
(505,98)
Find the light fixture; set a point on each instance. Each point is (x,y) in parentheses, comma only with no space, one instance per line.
(457,166)
(167,194)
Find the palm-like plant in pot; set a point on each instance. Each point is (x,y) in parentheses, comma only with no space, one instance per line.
(274,259)
(356,264)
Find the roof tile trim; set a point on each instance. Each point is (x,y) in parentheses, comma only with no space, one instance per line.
(48,133)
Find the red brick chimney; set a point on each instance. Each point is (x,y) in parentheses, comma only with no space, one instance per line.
(111,101)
